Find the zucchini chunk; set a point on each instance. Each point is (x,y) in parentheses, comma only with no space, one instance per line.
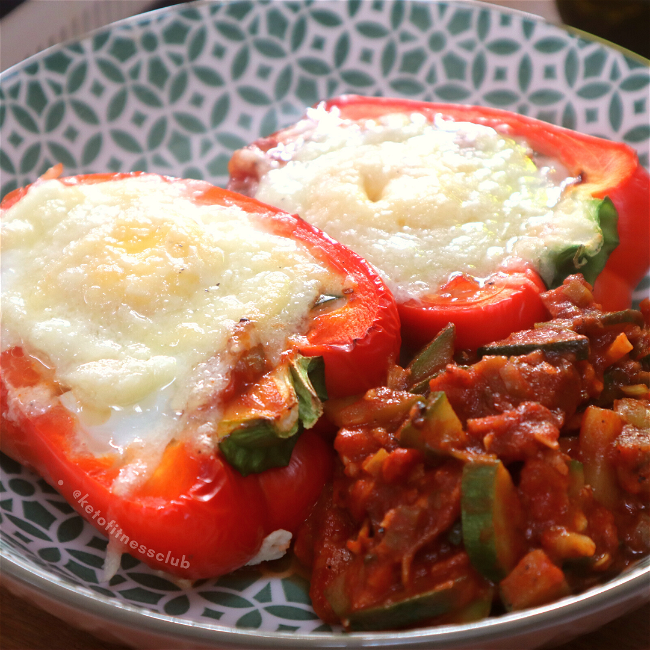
(623,317)
(490,515)
(477,610)
(444,599)
(433,428)
(549,340)
(431,359)
(599,431)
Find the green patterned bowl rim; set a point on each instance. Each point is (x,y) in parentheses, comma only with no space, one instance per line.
(631,585)
(520,12)
(593,38)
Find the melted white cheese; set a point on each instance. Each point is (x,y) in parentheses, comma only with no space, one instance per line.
(422,201)
(274,546)
(132,293)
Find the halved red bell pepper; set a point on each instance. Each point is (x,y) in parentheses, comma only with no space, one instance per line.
(196,516)
(508,301)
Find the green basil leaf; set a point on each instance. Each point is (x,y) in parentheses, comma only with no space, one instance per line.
(575,259)
(257,447)
(253,444)
(308,375)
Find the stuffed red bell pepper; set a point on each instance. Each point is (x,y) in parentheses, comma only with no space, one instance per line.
(165,345)
(467,212)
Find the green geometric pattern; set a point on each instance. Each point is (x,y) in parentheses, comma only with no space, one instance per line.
(38,524)
(177,91)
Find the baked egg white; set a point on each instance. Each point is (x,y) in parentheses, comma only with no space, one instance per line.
(133,294)
(423,200)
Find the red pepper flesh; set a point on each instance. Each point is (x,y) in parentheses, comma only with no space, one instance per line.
(195,508)
(500,305)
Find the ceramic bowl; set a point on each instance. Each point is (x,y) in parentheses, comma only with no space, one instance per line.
(176,91)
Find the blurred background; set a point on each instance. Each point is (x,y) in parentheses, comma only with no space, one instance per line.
(29,26)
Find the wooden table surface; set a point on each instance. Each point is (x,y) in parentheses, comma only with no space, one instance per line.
(25,627)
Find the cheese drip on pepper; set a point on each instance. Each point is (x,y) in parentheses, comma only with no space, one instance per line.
(132,292)
(424,200)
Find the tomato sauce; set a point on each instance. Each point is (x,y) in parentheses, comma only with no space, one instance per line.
(421,525)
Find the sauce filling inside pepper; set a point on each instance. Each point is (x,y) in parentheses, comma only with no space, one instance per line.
(505,482)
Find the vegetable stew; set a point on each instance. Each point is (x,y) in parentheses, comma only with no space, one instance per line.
(511,480)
